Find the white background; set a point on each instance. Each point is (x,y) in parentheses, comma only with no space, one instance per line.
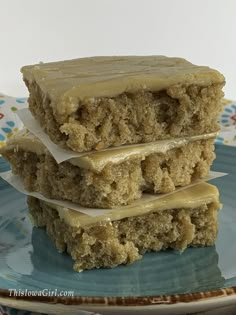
(203,31)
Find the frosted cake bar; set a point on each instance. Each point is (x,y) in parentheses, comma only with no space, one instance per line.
(109,178)
(100,102)
(185,218)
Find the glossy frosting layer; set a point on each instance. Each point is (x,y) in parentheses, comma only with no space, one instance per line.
(68,82)
(97,160)
(191,197)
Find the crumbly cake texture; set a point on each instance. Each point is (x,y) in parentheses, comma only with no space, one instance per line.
(116,184)
(108,244)
(99,102)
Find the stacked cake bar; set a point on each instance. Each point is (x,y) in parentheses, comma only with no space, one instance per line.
(143,125)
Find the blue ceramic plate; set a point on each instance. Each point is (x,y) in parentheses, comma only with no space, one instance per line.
(29,260)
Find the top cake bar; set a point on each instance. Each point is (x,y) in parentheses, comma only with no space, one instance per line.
(100,102)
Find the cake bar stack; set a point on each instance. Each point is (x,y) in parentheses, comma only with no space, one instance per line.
(142,125)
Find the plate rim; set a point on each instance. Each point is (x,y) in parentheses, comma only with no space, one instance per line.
(128,300)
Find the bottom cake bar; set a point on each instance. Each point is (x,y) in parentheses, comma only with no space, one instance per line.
(185,218)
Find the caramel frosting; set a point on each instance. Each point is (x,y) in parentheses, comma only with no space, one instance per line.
(97,160)
(192,197)
(69,82)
